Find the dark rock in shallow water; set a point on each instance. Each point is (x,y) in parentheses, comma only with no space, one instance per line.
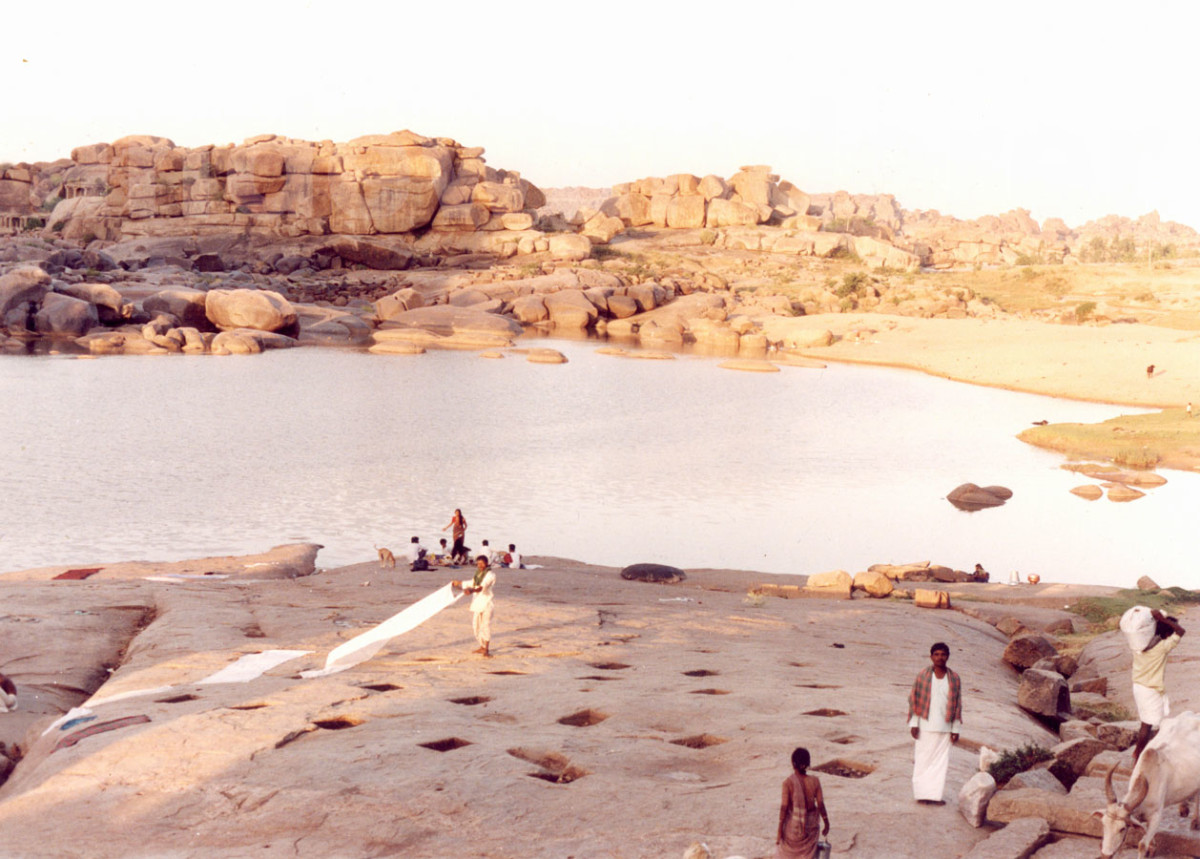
(660,573)
(972,497)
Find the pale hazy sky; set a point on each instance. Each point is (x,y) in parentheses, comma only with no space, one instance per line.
(1074,110)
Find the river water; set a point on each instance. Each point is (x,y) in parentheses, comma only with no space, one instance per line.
(603,459)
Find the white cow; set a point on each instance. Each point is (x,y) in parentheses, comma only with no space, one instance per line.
(1167,772)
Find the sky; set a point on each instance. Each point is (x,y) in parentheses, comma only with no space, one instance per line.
(1071,110)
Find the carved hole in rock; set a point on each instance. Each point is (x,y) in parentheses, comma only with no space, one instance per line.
(845,768)
(382,687)
(338,723)
(583,719)
(472,701)
(596,677)
(177,699)
(825,711)
(701,672)
(567,776)
(710,691)
(529,646)
(552,761)
(845,741)
(447,745)
(608,666)
(253,631)
(799,664)
(817,686)
(256,706)
(700,741)
(426,659)
(507,673)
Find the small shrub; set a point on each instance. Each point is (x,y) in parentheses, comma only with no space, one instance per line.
(1030,259)
(50,202)
(1013,762)
(1084,310)
(1029,274)
(1137,457)
(1147,297)
(708,237)
(852,282)
(1056,286)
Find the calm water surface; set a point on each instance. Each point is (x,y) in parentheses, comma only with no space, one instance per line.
(608,460)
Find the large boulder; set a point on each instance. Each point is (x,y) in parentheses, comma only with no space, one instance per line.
(973,798)
(109,303)
(1021,838)
(1024,651)
(447,319)
(660,573)
(1078,753)
(369,254)
(64,316)
(21,285)
(186,305)
(264,310)
(874,583)
(837,582)
(570,308)
(1044,693)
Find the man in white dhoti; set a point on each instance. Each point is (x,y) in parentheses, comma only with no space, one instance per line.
(1149,677)
(934,719)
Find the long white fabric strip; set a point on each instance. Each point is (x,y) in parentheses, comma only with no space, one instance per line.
(252,665)
(363,647)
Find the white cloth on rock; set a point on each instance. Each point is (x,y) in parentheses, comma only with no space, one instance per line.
(363,647)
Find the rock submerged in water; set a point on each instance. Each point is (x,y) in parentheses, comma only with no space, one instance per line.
(968,496)
(659,573)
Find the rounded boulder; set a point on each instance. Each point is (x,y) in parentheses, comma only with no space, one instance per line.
(658,573)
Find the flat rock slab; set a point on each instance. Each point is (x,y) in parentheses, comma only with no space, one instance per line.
(1019,840)
(1071,813)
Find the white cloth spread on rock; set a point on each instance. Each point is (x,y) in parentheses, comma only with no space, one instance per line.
(251,666)
(363,647)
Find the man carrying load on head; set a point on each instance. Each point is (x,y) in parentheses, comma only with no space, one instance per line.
(1149,677)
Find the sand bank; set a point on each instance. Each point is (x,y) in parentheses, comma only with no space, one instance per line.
(1104,364)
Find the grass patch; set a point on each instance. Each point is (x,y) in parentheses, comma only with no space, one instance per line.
(1110,711)
(1013,762)
(1103,610)
(1166,438)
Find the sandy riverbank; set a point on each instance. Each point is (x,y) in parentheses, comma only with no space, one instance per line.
(1105,364)
(616,719)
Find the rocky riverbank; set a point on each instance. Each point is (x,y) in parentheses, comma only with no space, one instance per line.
(616,718)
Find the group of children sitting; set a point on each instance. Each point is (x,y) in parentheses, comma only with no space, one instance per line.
(421,559)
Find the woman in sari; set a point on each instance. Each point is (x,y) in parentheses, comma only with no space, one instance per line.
(458,555)
(802,802)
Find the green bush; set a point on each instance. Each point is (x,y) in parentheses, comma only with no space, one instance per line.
(1084,310)
(1013,762)
(852,282)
